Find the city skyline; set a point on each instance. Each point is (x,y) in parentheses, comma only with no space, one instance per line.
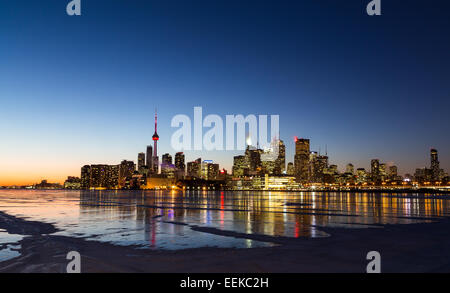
(142,160)
(86,92)
(256,169)
(226,163)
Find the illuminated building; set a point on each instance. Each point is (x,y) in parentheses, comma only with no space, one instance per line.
(213,171)
(72,183)
(393,173)
(383,173)
(301,160)
(265,182)
(180,167)
(166,163)
(312,172)
(167,168)
(253,160)
(318,165)
(239,166)
(361,175)
(160,182)
(423,175)
(209,170)
(179,162)
(137,181)
(112,176)
(375,171)
(333,169)
(166,159)
(269,167)
(144,171)
(149,157)
(141,161)
(280,183)
(280,163)
(435,171)
(290,169)
(155,165)
(126,171)
(222,175)
(85,177)
(194,168)
(98,176)
(330,174)
(47,185)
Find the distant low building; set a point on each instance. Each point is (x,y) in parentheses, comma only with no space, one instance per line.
(72,183)
(46,185)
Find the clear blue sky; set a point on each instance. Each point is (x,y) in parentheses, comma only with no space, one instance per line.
(78,90)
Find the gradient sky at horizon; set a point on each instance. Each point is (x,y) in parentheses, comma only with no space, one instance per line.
(83,90)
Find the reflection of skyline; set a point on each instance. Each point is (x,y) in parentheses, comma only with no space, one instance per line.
(164,219)
(266,214)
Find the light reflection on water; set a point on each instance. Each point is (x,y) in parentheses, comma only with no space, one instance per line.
(154,219)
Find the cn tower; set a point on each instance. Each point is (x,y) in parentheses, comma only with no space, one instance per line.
(155,137)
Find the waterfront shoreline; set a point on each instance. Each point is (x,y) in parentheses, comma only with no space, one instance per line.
(404,248)
(354,190)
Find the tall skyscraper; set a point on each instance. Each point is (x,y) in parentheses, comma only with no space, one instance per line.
(301,160)
(85,177)
(194,168)
(155,137)
(166,165)
(239,166)
(435,170)
(141,161)
(280,163)
(253,159)
(149,157)
(383,172)
(179,163)
(126,170)
(375,170)
(112,174)
(318,165)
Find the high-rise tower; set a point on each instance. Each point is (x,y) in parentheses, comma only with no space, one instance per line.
(301,159)
(141,161)
(434,165)
(155,138)
(149,157)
